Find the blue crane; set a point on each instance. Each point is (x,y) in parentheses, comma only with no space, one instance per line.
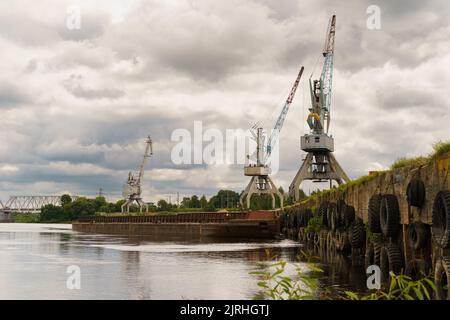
(273,138)
(321,90)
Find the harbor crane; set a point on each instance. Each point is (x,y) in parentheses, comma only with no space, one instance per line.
(320,164)
(261,183)
(132,189)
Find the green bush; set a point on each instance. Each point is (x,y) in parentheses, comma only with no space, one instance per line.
(52,213)
(25,217)
(315,224)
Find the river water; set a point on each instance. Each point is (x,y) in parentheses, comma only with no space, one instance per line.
(34,262)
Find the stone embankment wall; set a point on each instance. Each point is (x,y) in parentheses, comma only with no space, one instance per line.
(398,220)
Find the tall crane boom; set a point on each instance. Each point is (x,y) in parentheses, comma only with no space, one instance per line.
(280,121)
(147,154)
(321,90)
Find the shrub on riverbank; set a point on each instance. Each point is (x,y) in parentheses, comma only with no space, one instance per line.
(25,217)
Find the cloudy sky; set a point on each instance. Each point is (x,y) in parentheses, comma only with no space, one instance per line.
(77,104)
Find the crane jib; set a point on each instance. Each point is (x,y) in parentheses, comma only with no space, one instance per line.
(280,121)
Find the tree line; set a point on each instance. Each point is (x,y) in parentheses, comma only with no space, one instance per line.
(81,207)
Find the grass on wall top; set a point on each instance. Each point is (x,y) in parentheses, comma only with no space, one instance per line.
(439,149)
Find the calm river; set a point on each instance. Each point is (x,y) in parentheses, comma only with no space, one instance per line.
(34,259)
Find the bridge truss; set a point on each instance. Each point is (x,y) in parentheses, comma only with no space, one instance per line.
(29,204)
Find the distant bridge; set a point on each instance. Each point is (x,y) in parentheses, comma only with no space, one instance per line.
(29,204)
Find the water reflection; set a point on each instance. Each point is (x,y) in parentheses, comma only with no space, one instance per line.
(34,259)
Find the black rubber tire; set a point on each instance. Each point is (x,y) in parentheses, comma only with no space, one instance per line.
(372,256)
(391,259)
(305,217)
(418,235)
(316,239)
(298,215)
(308,214)
(330,239)
(417,269)
(442,278)
(415,193)
(441,219)
(348,216)
(377,254)
(341,207)
(333,218)
(357,234)
(389,215)
(342,240)
(322,212)
(374,213)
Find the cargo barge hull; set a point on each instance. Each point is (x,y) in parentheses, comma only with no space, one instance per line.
(198,226)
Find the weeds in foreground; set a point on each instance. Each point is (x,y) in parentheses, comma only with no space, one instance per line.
(402,287)
(275,284)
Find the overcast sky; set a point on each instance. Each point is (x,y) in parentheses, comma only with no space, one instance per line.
(76,105)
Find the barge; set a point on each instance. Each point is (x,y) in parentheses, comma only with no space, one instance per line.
(186,226)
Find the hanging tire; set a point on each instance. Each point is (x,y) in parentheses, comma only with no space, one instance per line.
(441,218)
(377,253)
(418,234)
(415,193)
(322,212)
(374,213)
(330,239)
(441,278)
(308,216)
(372,256)
(316,239)
(417,269)
(341,206)
(332,216)
(389,215)
(391,260)
(357,234)
(348,216)
(342,240)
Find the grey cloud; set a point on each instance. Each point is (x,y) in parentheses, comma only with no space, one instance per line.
(88,93)
(75,87)
(396,97)
(12,95)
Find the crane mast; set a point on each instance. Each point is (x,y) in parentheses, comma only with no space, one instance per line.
(321,90)
(147,154)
